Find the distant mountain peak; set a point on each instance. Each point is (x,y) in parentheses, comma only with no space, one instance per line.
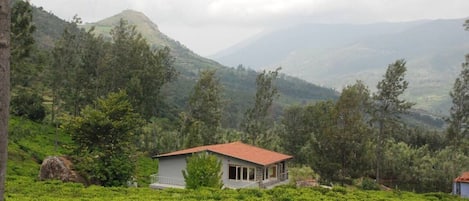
(132,16)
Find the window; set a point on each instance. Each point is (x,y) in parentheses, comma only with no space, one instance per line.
(245,173)
(270,172)
(242,173)
(252,174)
(232,172)
(273,171)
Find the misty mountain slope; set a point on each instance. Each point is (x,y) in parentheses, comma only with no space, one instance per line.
(337,55)
(263,49)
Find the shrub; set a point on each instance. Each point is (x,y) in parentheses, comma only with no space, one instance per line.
(29,105)
(301,174)
(369,184)
(202,170)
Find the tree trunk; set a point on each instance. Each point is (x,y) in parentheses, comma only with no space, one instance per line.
(379,153)
(4,89)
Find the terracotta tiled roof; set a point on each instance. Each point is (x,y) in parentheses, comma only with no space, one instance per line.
(237,150)
(464,178)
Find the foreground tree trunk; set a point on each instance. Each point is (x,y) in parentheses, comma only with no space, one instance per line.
(4,89)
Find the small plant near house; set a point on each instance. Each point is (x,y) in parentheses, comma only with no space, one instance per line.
(203,170)
(303,176)
(369,184)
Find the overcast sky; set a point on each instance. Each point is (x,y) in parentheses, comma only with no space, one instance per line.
(208,26)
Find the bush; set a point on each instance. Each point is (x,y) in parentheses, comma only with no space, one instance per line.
(301,174)
(28,104)
(369,184)
(202,170)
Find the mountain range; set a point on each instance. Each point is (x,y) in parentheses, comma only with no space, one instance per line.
(335,55)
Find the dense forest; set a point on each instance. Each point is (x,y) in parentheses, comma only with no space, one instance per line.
(116,96)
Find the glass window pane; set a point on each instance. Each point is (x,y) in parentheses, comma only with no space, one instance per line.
(245,173)
(252,172)
(232,172)
(273,172)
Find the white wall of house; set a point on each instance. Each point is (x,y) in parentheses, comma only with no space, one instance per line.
(461,188)
(170,170)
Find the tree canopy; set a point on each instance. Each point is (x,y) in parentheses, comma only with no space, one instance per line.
(105,136)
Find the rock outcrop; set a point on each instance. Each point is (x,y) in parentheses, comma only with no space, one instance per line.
(59,167)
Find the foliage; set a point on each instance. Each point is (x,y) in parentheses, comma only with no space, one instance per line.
(301,173)
(22,44)
(26,189)
(105,136)
(158,136)
(297,134)
(192,130)
(22,29)
(66,72)
(255,122)
(369,184)
(387,105)
(26,64)
(135,66)
(145,167)
(202,170)
(28,104)
(86,67)
(205,105)
(459,111)
(353,133)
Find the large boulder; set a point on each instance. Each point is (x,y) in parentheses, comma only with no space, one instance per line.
(59,167)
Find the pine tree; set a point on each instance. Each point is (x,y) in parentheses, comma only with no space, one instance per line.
(67,69)
(22,43)
(134,66)
(105,135)
(459,112)
(352,130)
(388,105)
(205,105)
(255,118)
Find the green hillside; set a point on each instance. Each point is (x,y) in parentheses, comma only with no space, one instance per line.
(49,27)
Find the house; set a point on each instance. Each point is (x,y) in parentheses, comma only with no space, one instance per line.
(461,185)
(243,166)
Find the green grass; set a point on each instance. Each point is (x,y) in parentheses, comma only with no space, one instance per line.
(31,142)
